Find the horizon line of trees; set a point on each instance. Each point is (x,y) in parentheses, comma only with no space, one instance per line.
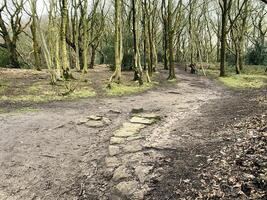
(134,34)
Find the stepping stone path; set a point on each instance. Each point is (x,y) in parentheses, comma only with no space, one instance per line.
(94,121)
(128,164)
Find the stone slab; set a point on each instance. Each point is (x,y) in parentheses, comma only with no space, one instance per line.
(127,188)
(116,140)
(128,129)
(112,162)
(141,120)
(120,173)
(114,150)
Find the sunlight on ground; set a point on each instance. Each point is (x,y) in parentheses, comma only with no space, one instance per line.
(244,81)
(252,76)
(120,89)
(40,94)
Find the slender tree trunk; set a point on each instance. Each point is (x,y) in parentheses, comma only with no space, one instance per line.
(223,37)
(64,23)
(170,40)
(36,47)
(93,54)
(85,38)
(116,76)
(165,34)
(218,40)
(137,61)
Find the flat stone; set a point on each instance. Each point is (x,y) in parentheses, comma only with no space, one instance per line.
(82,121)
(120,173)
(115,111)
(116,140)
(137,110)
(112,162)
(95,124)
(135,137)
(132,147)
(140,194)
(141,120)
(148,115)
(114,150)
(127,188)
(142,172)
(95,117)
(128,129)
(106,121)
(133,159)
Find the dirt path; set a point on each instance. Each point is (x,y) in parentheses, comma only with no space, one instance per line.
(62,153)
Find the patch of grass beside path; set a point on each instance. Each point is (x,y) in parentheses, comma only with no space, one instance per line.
(121,90)
(244,81)
(47,96)
(252,76)
(20,110)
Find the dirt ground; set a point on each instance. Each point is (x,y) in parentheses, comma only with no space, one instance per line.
(54,154)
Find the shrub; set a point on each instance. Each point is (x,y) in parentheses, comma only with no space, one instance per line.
(4,60)
(257,55)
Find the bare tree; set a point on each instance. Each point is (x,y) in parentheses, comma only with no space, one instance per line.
(11,13)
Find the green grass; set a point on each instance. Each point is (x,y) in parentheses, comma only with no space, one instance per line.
(252,76)
(172,80)
(3,85)
(48,96)
(26,109)
(244,81)
(19,110)
(121,90)
(2,110)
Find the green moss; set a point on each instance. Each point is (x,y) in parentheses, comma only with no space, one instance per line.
(2,110)
(27,109)
(211,72)
(172,80)
(3,86)
(47,96)
(120,89)
(244,81)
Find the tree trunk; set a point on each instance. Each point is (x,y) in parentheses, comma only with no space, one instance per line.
(93,54)
(64,23)
(36,47)
(237,61)
(116,76)
(170,40)
(223,38)
(137,63)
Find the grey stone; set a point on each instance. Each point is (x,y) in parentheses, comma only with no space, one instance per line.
(133,146)
(135,137)
(142,172)
(116,140)
(137,110)
(141,120)
(112,162)
(95,124)
(120,173)
(115,111)
(127,188)
(114,150)
(106,120)
(95,117)
(140,194)
(148,115)
(82,121)
(128,129)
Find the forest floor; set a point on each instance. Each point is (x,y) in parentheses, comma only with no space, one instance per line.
(185,140)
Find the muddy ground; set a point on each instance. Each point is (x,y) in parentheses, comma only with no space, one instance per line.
(56,154)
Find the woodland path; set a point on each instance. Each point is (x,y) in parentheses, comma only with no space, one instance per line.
(88,149)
